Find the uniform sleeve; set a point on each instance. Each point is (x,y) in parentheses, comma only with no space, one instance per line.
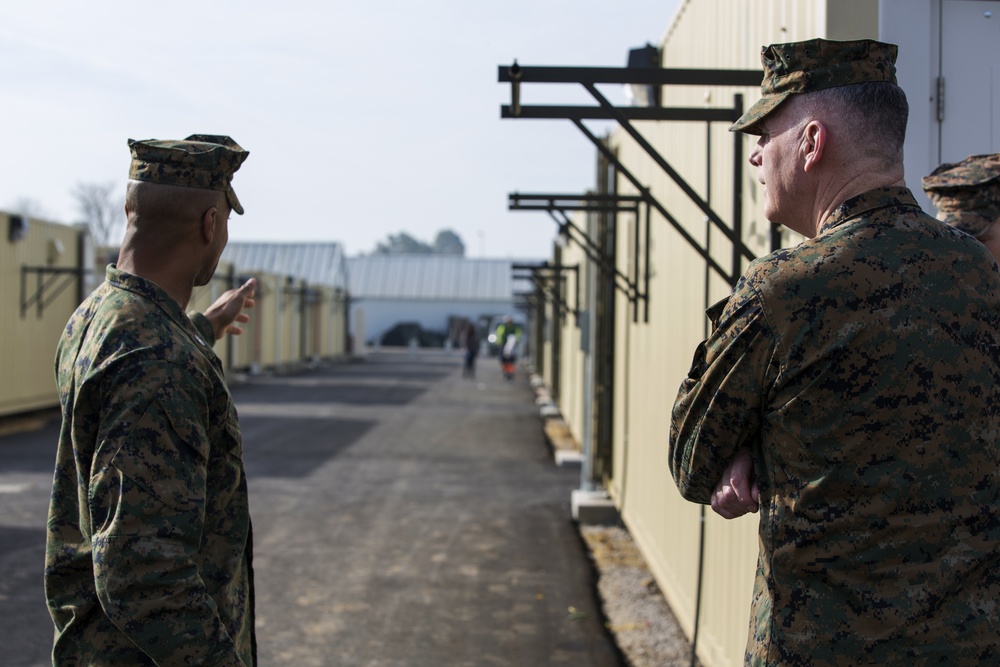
(204,327)
(147,505)
(720,404)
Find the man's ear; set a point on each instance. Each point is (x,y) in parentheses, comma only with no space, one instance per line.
(814,138)
(208,219)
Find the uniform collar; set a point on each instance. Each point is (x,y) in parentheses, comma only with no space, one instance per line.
(153,292)
(867,202)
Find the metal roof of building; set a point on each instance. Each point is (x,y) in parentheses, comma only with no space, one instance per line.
(432,277)
(316,263)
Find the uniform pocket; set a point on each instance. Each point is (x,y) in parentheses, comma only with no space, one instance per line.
(168,466)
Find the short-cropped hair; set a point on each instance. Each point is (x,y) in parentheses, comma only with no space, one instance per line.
(877,111)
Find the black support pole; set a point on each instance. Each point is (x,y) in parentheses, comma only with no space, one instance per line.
(738,195)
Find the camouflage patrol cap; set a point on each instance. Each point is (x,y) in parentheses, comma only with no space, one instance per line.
(967,193)
(816,64)
(205,161)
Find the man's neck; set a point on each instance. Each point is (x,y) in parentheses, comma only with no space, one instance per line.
(162,274)
(838,191)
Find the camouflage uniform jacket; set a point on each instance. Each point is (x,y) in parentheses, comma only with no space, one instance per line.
(861,367)
(148,556)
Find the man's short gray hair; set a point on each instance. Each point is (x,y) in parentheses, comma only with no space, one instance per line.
(875,111)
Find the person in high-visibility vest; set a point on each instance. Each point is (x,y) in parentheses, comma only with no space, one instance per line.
(507,337)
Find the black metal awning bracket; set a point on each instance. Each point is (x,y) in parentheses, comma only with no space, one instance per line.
(599,258)
(589,77)
(645,262)
(46,289)
(552,289)
(652,76)
(556,206)
(670,171)
(543,275)
(653,201)
(597,203)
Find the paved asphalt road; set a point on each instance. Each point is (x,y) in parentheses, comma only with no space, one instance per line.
(403,516)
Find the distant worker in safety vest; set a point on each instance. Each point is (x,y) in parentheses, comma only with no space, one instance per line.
(508,337)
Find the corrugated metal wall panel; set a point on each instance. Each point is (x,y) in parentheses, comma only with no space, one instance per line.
(549,367)
(268,303)
(573,359)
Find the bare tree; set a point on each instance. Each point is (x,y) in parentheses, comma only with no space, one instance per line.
(101,209)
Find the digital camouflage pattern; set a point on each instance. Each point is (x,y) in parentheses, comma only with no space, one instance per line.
(816,64)
(206,161)
(967,193)
(862,368)
(148,554)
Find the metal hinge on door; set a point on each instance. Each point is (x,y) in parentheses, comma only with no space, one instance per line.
(940,99)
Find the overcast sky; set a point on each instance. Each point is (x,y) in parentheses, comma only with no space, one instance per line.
(363,118)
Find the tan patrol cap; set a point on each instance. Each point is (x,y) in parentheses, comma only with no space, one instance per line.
(816,64)
(206,161)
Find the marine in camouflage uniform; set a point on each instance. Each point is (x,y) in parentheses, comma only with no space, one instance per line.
(148,557)
(967,196)
(860,369)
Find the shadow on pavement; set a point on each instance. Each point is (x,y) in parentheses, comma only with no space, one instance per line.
(272,448)
(340,393)
(32,447)
(13,539)
(26,637)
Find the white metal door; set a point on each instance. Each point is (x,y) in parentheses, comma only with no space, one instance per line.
(970,67)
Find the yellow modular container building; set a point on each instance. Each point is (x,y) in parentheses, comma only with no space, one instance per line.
(704,565)
(302,304)
(268,314)
(328,323)
(45,269)
(290,321)
(232,350)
